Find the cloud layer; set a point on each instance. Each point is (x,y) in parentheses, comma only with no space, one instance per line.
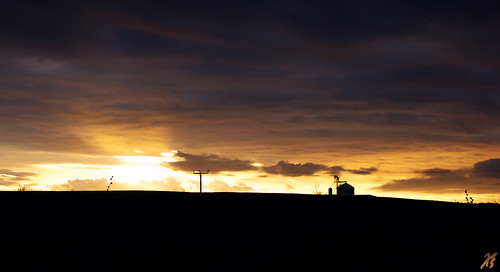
(285,168)
(216,163)
(301,83)
(294,170)
(211,162)
(482,178)
(221,186)
(259,74)
(102,185)
(11,178)
(170,184)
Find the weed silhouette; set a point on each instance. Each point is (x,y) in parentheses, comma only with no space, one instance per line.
(110,182)
(468,199)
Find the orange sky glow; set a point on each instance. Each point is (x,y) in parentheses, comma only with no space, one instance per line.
(398,99)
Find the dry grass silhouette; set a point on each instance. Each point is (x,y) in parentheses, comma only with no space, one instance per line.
(317,190)
(110,182)
(468,199)
(23,188)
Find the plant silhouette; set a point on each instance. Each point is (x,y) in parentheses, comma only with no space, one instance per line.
(468,199)
(110,182)
(317,190)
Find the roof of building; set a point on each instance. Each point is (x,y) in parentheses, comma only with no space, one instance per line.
(346,185)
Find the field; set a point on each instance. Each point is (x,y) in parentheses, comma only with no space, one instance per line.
(167,231)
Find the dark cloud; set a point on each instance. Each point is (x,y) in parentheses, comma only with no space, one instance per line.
(216,163)
(449,184)
(481,178)
(285,168)
(211,162)
(53,24)
(436,171)
(488,168)
(11,178)
(335,170)
(363,170)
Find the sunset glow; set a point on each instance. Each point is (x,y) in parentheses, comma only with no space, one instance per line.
(398,99)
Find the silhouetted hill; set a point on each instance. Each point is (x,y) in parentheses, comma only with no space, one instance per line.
(166,231)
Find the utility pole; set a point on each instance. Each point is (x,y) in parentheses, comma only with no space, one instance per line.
(201,173)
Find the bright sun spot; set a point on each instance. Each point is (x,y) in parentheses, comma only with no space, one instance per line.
(136,170)
(142,168)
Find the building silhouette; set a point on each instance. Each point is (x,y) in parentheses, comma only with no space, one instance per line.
(345,189)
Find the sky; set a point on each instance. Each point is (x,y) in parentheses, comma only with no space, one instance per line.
(399,98)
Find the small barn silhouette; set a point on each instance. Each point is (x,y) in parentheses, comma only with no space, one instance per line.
(345,189)
(341,187)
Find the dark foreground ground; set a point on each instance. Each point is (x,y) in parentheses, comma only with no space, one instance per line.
(161,231)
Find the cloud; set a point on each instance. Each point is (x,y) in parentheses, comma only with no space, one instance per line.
(220,186)
(84,185)
(336,170)
(363,171)
(487,169)
(285,168)
(20,176)
(7,182)
(212,162)
(334,79)
(436,171)
(481,178)
(10,178)
(169,184)
(453,183)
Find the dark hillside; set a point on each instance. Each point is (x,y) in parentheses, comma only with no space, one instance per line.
(162,231)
